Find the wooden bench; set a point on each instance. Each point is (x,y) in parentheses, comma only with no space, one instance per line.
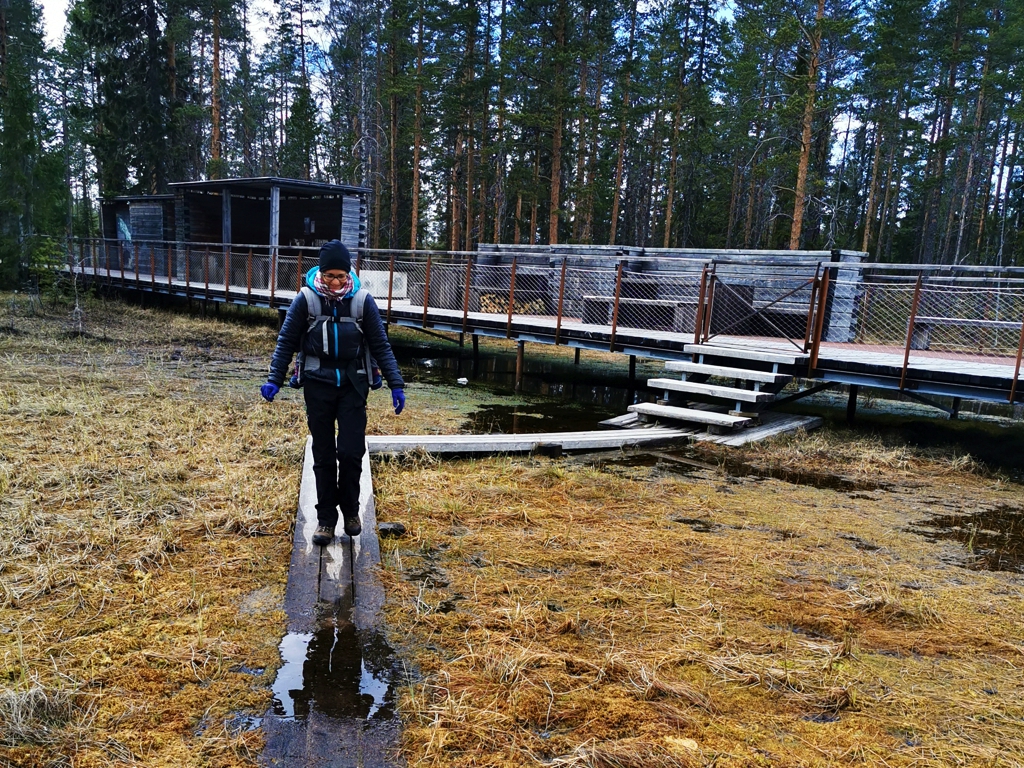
(676,315)
(924,324)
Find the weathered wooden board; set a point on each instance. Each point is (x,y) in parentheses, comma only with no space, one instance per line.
(526,443)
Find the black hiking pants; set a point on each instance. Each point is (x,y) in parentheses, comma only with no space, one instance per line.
(337,422)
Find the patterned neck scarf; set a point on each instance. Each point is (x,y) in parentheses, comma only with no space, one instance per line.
(324,288)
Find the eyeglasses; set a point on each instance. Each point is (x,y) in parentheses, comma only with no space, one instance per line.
(334,278)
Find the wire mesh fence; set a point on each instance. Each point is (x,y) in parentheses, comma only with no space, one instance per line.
(914,311)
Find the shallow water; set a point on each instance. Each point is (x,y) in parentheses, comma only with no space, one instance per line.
(337,672)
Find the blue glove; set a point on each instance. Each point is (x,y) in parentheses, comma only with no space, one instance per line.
(398,400)
(269,390)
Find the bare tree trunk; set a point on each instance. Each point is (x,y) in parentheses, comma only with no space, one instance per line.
(873,187)
(808,123)
(581,154)
(417,141)
(499,157)
(516,234)
(969,174)
(999,180)
(734,193)
(670,196)
(215,99)
(536,183)
(456,239)
(587,231)
(393,143)
(617,188)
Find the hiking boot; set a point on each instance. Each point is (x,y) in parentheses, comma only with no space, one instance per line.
(324,535)
(352,526)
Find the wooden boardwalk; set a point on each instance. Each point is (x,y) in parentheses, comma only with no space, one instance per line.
(928,372)
(334,693)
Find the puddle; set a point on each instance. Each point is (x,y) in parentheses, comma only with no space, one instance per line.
(538,417)
(606,386)
(336,672)
(993,539)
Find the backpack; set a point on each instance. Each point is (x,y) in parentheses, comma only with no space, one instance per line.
(315,316)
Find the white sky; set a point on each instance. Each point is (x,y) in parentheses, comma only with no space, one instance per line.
(55,19)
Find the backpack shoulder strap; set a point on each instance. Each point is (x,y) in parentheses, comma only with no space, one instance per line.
(313,306)
(356,309)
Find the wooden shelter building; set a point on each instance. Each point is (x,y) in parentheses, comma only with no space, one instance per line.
(274,217)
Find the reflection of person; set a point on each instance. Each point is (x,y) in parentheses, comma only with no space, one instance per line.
(335,382)
(331,674)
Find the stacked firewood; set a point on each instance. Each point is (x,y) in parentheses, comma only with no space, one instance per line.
(497,304)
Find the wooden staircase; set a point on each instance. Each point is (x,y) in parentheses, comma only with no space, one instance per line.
(757,376)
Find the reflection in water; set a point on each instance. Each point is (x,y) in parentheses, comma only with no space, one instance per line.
(335,672)
(993,538)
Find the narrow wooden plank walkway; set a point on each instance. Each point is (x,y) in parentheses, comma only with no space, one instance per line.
(333,703)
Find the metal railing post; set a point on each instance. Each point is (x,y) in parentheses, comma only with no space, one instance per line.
(706,320)
(615,305)
(138,282)
(248,276)
(298,271)
(1016,368)
(465,295)
(152,268)
(819,324)
(170,284)
(206,276)
(810,307)
(227,274)
(910,331)
(188,279)
(561,297)
(273,273)
(426,289)
(391,285)
(698,320)
(511,297)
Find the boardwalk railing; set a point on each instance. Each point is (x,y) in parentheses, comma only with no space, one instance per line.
(809,301)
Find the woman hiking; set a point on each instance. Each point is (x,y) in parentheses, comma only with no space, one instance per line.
(335,327)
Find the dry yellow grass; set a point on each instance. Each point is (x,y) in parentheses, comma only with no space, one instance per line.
(147,497)
(569,612)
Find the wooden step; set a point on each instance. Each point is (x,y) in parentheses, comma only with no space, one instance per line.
(725,393)
(747,353)
(688,414)
(765,377)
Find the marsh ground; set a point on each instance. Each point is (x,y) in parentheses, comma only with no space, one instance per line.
(827,599)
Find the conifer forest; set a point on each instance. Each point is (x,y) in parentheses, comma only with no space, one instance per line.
(888,126)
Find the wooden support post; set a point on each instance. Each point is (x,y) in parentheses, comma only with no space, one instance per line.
(391,285)
(275,235)
(298,271)
(910,331)
(632,369)
(955,411)
(465,298)
(426,290)
(137,281)
(188,258)
(170,283)
(561,297)
(511,298)
(520,354)
(152,268)
(225,235)
(576,357)
(476,347)
(851,404)
(615,306)
(1016,368)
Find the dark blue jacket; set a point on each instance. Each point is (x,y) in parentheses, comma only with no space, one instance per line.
(293,331)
